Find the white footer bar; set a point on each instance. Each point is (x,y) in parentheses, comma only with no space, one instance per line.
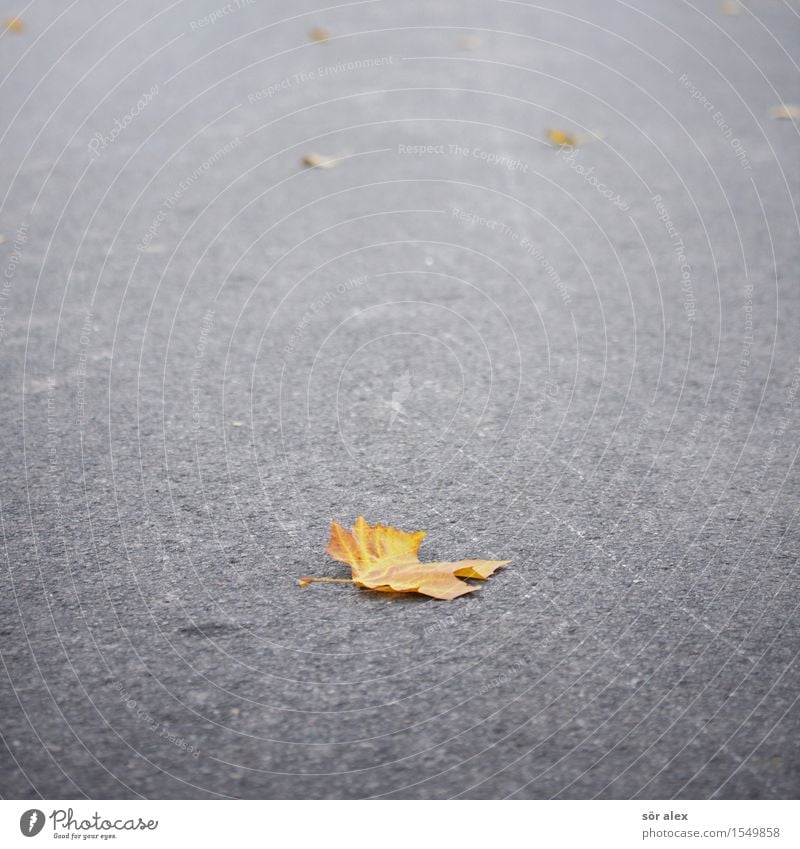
(402,824)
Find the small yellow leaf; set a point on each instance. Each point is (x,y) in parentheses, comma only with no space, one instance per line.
(317,160)
(731,7)
(562,139)
(319,34)
(786,111)
(386,559)
(14,24)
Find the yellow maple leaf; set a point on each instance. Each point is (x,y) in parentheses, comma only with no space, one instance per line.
(319,34)
(14,24)
(386,559)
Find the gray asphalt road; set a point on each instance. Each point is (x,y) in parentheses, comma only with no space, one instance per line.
(584,360)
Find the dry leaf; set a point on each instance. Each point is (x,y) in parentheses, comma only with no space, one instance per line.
(317,160)
(786,111)
(14,24)
(562,139)
(469,42)
(319,34)
(386,559)
(731,7)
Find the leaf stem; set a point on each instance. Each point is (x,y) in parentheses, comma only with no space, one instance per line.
(304,582)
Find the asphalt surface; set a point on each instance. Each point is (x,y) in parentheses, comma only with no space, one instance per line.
(588,364)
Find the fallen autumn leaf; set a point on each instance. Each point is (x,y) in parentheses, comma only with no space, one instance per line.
(562,139)
(786,111)
(317,160)
(469,42)
(385,559)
